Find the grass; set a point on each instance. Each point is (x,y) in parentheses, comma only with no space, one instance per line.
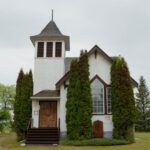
(8,141)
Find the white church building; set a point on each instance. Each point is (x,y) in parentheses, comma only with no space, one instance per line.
(51,79)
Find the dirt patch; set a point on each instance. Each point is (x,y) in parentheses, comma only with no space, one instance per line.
(2,148)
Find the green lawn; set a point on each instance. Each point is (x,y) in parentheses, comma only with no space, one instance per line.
(8,141)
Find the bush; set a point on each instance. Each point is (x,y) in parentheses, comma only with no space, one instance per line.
(94,142)
(4,119)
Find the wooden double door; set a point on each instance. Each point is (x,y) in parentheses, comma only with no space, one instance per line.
(48,114)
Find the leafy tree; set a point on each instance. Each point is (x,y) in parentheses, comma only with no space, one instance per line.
(7,95)
(22,105)
(4,118)
(142,106)
(123,105)
(72,102)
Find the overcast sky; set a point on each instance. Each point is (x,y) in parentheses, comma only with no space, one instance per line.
(119,27)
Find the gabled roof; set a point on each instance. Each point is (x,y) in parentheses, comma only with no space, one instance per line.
(94,50)
(46,94)
(97,49)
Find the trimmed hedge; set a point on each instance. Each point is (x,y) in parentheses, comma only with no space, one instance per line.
(95,142)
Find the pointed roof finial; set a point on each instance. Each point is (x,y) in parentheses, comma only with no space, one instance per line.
(52,14)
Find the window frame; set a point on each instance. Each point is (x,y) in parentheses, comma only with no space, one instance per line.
(47,51)
(40,50)
(107,99)
(58,51)
(103,102)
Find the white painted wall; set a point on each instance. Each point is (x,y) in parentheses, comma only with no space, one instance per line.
(63,100)
(99,66)
(47,71)
(35,113)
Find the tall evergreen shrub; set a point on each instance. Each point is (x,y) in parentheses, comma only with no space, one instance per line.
(72,102)
(123,104)
(22,105)
(79,100)
(85,98)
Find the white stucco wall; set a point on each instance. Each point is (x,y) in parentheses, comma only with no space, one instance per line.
(99,66)
(47,71)
(63,94)
(35,113)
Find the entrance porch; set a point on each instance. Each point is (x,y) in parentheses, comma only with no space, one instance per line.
(46,109)
(45,124)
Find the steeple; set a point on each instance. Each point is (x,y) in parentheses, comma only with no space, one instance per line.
(51,32)
(51,28)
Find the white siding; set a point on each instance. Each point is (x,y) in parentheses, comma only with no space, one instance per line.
(35,114)
(63,94)
(47,71)
(99,66)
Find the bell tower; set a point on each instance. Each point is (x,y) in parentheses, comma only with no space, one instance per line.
(50,48)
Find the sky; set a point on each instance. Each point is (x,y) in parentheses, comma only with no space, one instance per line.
(119,27)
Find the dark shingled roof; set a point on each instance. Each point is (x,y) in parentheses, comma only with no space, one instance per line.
(46,94)
(51,29)
(51,33)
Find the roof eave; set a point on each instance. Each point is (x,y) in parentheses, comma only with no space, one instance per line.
(64,38)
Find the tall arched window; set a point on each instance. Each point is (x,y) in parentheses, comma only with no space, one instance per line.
(97,91)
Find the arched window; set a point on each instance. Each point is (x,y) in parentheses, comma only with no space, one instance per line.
(97,91)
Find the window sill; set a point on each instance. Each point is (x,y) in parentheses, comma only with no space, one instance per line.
(101,114)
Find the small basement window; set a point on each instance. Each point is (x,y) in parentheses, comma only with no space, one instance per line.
(49,50)
(40,49)
(58,51)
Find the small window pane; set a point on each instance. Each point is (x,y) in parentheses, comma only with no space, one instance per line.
(40,49)
(58,51)
(49,52)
